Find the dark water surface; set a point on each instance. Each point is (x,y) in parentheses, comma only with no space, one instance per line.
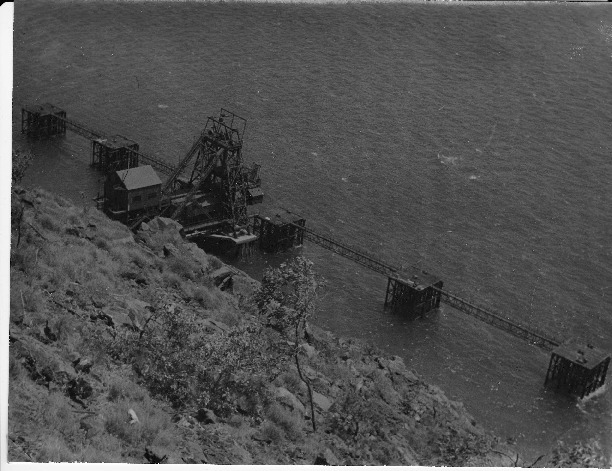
(473,141)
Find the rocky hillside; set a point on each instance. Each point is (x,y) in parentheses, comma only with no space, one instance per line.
(142,348)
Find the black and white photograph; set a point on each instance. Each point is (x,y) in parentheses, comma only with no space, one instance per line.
(317,233)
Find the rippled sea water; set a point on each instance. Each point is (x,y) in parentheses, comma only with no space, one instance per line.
(471,140)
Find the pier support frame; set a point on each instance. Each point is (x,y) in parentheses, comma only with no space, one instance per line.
(43,120)
(277,235)
(411,298)
(578,369)
(115,153)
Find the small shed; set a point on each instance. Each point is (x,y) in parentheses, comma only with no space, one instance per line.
(132,189)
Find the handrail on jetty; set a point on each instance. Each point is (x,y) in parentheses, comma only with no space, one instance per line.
(341,248)
(92,134)
(530,334)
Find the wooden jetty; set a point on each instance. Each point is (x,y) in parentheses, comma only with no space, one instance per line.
(49,120)
(212,203)
(580,370)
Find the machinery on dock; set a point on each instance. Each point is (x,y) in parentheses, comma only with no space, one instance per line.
(211,183)
(207,192)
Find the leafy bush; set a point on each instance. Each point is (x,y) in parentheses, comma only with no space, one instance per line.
(579,455)
(180,362)
(21,162)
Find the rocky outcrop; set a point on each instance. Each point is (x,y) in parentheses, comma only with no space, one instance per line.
(66,384)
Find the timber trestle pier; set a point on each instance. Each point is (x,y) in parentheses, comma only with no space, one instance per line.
(208,193)
(577,368)
(394,273)
(49,120)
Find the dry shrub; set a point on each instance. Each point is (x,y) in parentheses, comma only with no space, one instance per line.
(65,327)
(101,243)
(33,300)
(121,388)
(49,223)
(73,219)
(271,433)
(291,381)
(183,267)
(205,297)
(137,258)
(120,253)
(16,370)
(227,315)
(16,305)
(54,450)
(214,263)
(117,423)
(151,422)
(172,280)
(290,423)
(106,449)
(58,415)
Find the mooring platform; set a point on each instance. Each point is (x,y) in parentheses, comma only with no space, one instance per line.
(415,295)
(43,120)
(280,230)
(580,369)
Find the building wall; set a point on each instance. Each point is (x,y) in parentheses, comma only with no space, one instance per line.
(142,198)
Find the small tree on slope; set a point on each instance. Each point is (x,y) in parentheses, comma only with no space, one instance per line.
(286,299)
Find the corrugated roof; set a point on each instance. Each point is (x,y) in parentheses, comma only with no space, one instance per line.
(43,109)
(138,177)
(116,142)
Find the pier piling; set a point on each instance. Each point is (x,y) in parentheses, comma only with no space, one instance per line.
(43,120)
(416,298)
(578,369)
(280,232)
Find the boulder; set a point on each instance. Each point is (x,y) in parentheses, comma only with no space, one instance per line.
(79,389)
(206,416)
(73,231)
(220,275)
(155,455)
(288,399)
(395,365)
(164,224)
(327,458)
(171,250)
(98,302)
(64,374)
(133,417)
(308,350)
(83,365)
(321,401)
(113,317)
(197,254)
